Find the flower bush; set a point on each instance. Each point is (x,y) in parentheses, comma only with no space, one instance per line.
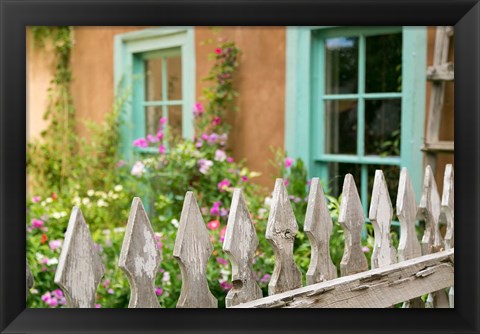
(203,166)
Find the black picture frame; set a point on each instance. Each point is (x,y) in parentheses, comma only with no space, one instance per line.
(17,14)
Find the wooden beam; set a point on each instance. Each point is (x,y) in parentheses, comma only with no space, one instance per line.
(377,288)
(443,72)
(440,146)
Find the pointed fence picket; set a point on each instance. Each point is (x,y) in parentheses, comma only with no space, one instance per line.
(387,283)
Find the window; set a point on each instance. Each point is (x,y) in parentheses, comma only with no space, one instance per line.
(156,67)
(356,98)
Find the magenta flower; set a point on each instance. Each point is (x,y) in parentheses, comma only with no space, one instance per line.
(288,162)
(222,234)
(37,223)
(217,120)
(286,182)
(140,142)
(198,109)
(212,138)
(225,285)
(53,302)
(265,278)
(98,306)
(46,296)
(162,122)
(158,291)
(222,261)
(218,51)
(244,178)
(36,199)
(160,135)
(213,225)
(223,185)
(55,244)
(152,138)
(58,293)
(205,136)
(215,210)
(161,149)
(229,159)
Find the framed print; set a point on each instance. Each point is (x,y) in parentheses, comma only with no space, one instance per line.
(229,156)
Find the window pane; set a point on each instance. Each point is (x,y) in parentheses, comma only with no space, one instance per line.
(392,175)
(153,79)
(383,63)
(152,119)
(174,71)
(336,176)
(341,65)
(382,127)
(341,127)
(175,121)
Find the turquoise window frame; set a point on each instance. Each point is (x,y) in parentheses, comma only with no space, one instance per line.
(130,49)
(304,113)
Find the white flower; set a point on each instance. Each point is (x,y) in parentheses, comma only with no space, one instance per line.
(101,203)
(119,229)
(175,223)
(115,196)
(86,201)
(118,188)
(90,192)
(262,212)
(49,200)
(138,169)
(268,201)
(56,215)
(63,214)
(220,155)
(166,277)
(76,200)
(52,261)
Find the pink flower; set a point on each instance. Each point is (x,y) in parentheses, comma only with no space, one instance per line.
(140,142)
(218,51)
(223,185)
(160,135)
(225,285)
(288,162)
(286,182)
(36,199)
(161,149)
(98,306)
(222,234)
(217,120)
(198,144)
(110,291)
(213,225)
(37,223)
(158,291)
(223,212)
(53,302)
(229,159)
(220,155)
(54,244)
(198,109)
(58,293)
(244,178)
(106,283)
(162,122)
(365,249)
(212,138)
(215,210)
(152,138)
(265,278)
(222,261)
(46,296)
(204,165)
(205,136)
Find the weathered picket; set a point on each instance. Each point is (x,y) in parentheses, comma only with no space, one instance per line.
(419,268)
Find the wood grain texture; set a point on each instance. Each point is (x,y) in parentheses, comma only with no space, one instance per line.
(381,212)
(408,246)
(376,288)
(192,250)
(432,242)
(29,279)
(447,217)
(79,268)
(240,245)
(281,230)
(318,228)
(351,219)
(140,258)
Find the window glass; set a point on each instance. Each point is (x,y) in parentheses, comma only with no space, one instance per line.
(382,127)
(175,121)
(336,176)
(341,127)
(341,65)
(174,70)
(153,79)
(152,119)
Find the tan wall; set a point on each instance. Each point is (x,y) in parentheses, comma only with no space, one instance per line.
(259,122)
(447,124)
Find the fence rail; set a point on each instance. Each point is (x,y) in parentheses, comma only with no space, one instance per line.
(419,268)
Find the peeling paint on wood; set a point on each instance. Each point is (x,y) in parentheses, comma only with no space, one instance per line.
(447,216)
(140,258)
(318,228)
(380,215)
(192,251)
(240,244)
(281,231)
(351,219)
(80,268)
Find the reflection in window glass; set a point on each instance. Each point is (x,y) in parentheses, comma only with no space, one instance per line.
(153,79)
(383,63)
(341,65)
(336,176)
(341,127)
(152,119)
(382,127)
(175,121)
(174,70)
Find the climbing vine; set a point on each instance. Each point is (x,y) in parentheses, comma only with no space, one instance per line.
(50,158)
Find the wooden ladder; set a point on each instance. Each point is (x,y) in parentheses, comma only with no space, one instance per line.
(440,72)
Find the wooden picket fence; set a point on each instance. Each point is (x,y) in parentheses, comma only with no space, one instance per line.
(416,269)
